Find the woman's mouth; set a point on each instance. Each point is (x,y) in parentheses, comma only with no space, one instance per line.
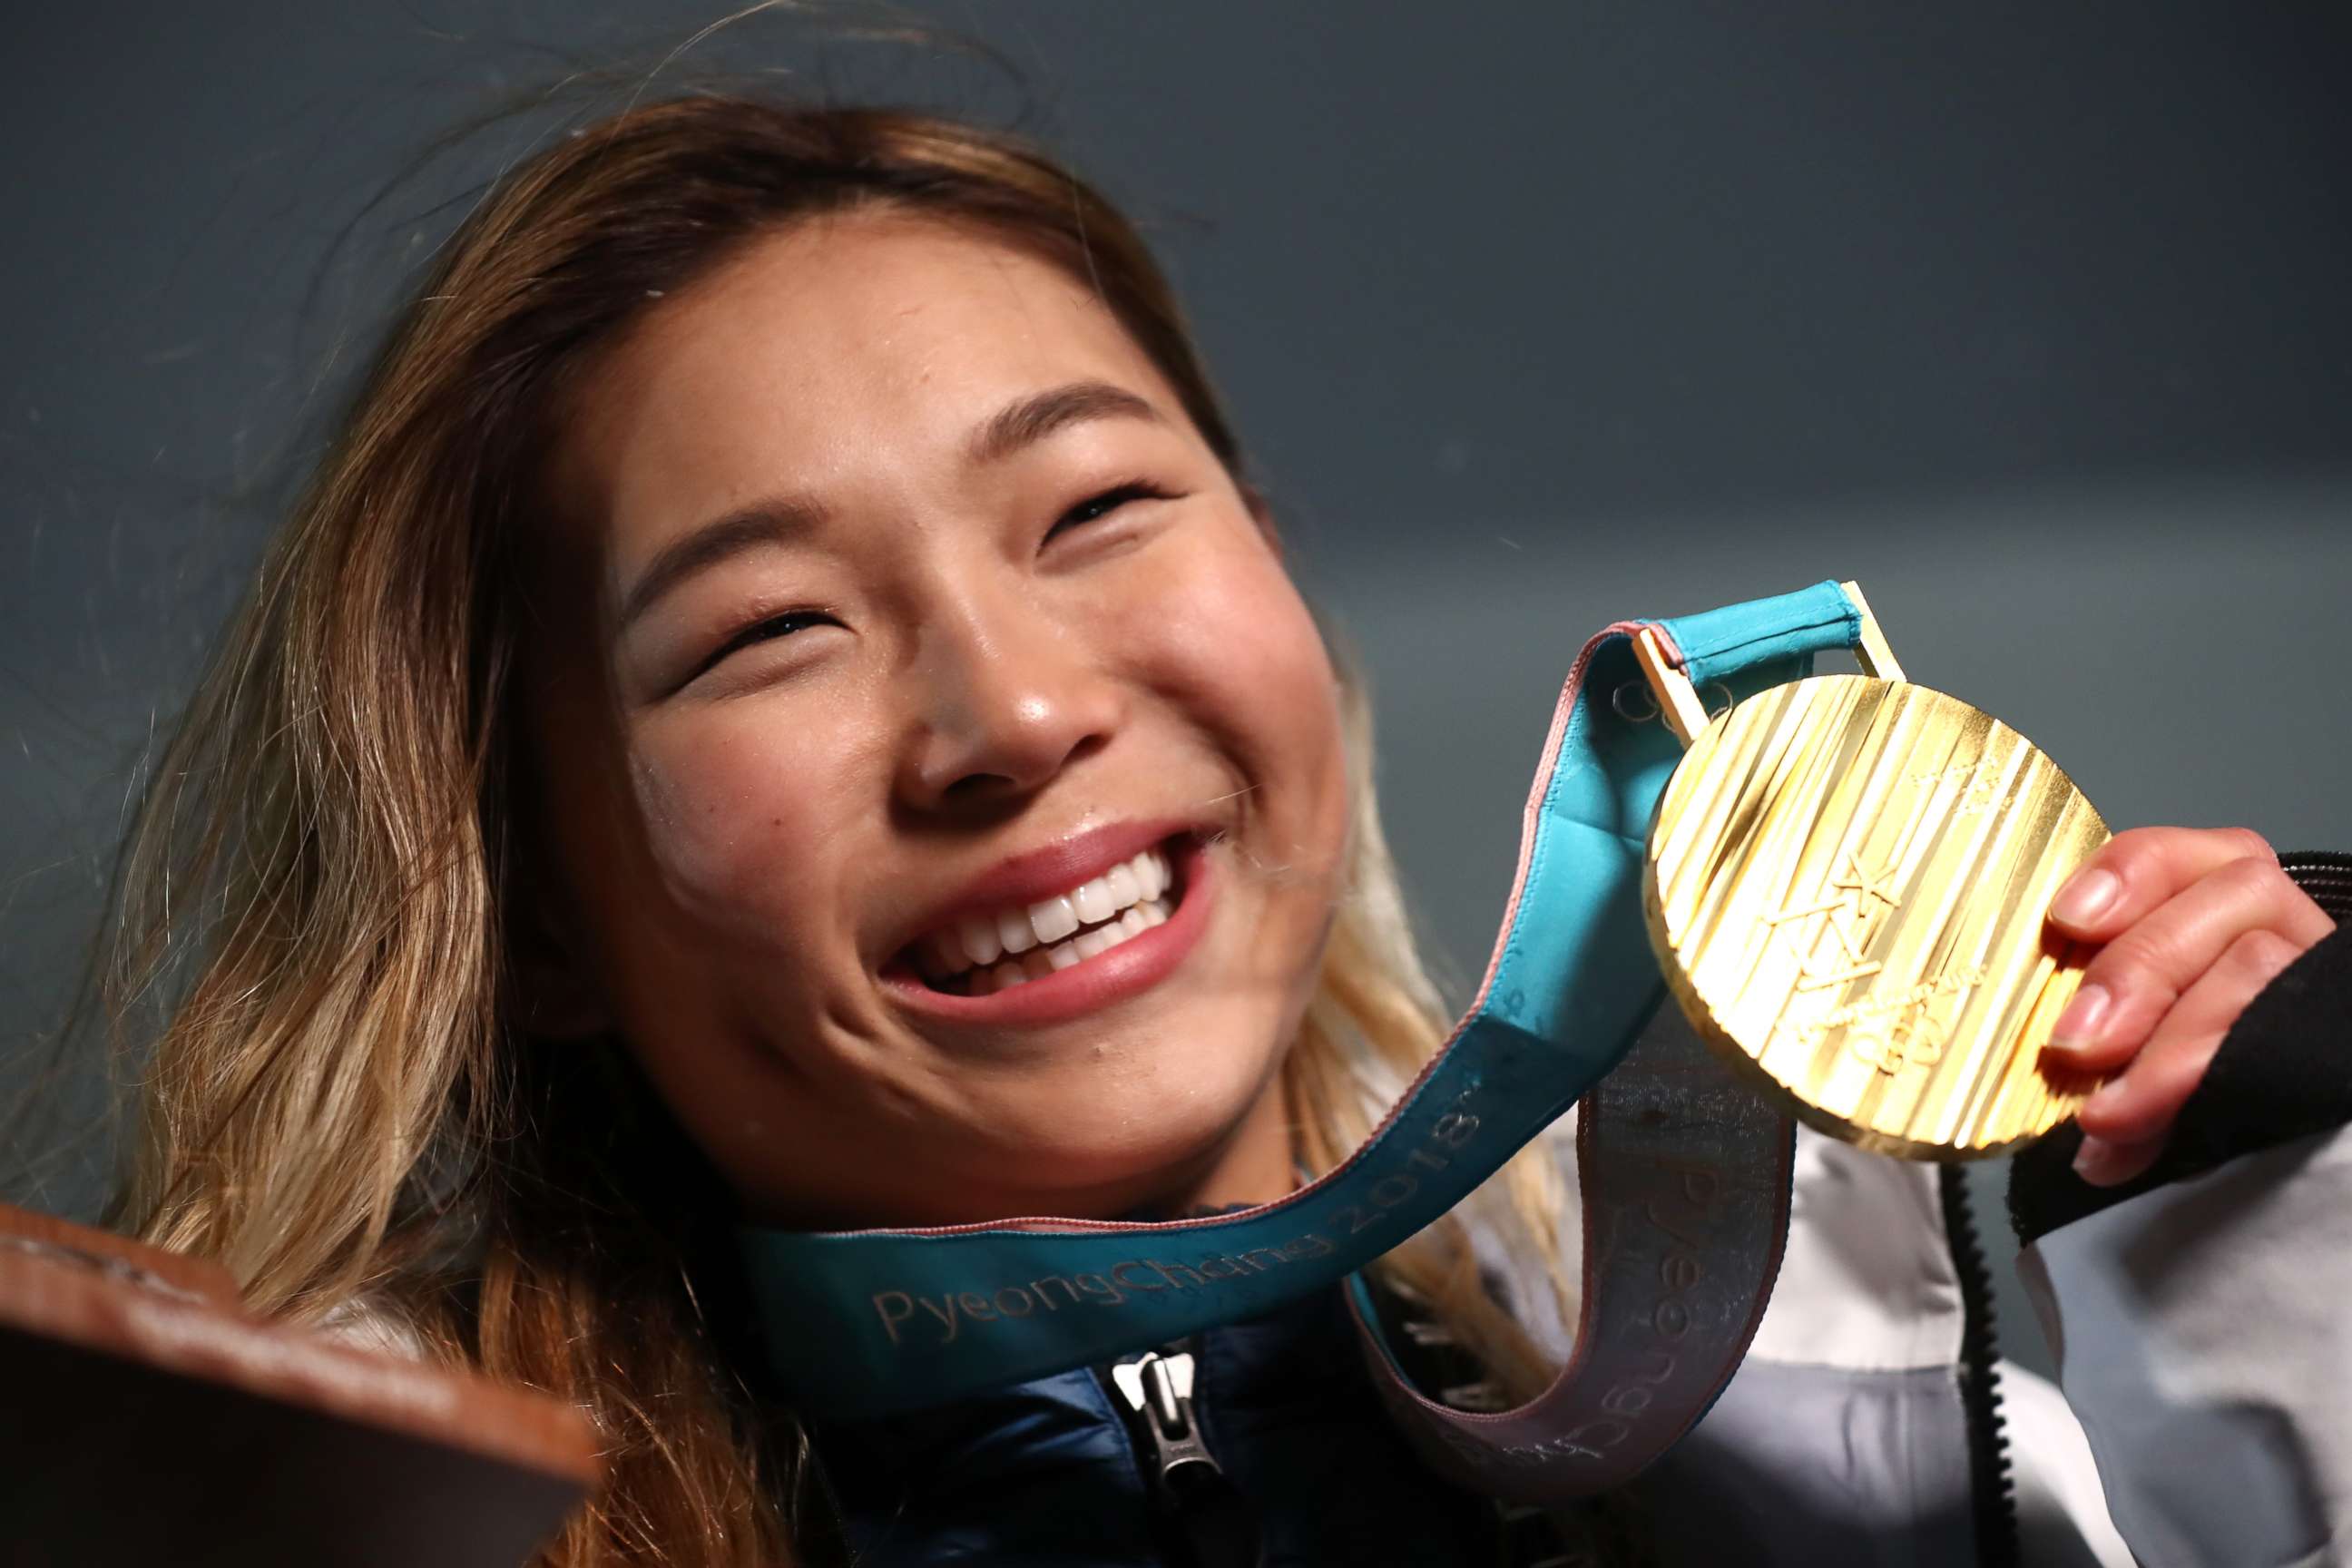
(997,950)
(1117,933)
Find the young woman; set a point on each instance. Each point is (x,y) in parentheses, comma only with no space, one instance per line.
(783,709)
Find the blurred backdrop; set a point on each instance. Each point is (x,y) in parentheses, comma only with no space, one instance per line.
(2032,317)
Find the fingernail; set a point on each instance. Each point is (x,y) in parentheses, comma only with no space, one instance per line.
(2079,1024)
(2105,1099)
(2086,898)
(2096,1162)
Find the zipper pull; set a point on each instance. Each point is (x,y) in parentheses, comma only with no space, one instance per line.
(1158,1389)
(1217,1526)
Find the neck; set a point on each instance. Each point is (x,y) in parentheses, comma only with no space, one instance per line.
(1255,1166)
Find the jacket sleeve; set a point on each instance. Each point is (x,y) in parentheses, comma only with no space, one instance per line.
(2199,1315)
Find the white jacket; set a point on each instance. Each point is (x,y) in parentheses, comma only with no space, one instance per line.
(2204,1336)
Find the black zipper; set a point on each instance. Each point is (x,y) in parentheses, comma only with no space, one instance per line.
(1992,1489)
(1212,1525)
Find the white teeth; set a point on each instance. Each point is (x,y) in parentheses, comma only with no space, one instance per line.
(1032,941)
(1133,923)
(1054,919)
(1092,901)
(980,942)
(1047,958)
(1013,930)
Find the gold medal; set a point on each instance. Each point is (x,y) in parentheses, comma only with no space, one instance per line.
(1847,887)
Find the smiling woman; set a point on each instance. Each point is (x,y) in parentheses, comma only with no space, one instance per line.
(781,706)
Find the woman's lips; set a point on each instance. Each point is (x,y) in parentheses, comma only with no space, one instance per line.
(993,949)
(1046,871)
(1135,965)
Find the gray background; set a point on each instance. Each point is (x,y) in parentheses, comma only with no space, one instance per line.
(2031,317)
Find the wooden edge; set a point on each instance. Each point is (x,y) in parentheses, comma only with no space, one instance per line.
(1679,704)
(1875,656)
(31,1231)
(55,1298)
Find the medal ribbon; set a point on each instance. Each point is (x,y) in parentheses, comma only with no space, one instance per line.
(1683,1173)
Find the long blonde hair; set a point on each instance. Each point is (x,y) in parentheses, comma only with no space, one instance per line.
(336,1100)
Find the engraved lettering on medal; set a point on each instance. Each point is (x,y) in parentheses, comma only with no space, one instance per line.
(1895,1033)
(1912,1040)
(1979,783)
(1903,1030)
(1848,916)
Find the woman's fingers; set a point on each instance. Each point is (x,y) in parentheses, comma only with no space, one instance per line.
(2106,1165)
(2191,924)
(2133,983)
(2140,870)
(2123,1124)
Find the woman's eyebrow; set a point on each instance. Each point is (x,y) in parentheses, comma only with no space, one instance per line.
(1028,420)
(772,521)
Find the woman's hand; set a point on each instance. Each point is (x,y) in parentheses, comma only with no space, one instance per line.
(2192,924)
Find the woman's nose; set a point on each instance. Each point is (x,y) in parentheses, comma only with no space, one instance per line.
(1005,706)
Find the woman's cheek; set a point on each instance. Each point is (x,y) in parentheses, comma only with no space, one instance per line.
(1237,647)
(1230,615)
(735,845)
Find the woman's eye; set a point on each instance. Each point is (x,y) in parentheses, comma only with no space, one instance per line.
(768,630)
(1095,506)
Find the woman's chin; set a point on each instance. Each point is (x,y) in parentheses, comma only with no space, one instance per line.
(1148,1149)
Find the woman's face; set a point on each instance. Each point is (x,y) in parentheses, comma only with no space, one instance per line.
(944,779)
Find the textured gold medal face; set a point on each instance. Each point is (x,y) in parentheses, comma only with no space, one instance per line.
(1847,885)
